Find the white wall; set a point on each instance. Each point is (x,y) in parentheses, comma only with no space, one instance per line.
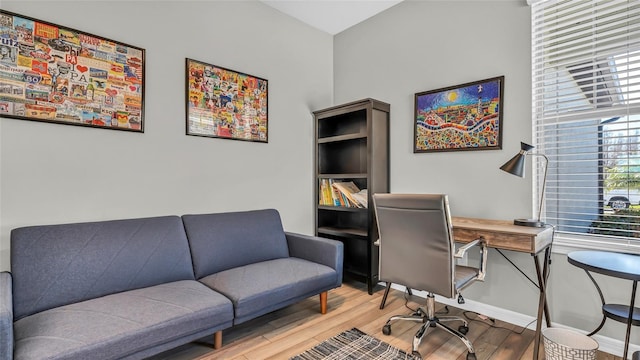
(417,46)
(52,173)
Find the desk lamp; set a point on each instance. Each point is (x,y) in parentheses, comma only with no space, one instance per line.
(515,166)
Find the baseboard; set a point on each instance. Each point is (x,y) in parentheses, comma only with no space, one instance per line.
(605,344)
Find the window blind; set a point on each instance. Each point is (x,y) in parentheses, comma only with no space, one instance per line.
(586,114)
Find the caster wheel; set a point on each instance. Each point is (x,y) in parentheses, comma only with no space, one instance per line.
(463,329)
(386,329)
(471,356)
(416,355)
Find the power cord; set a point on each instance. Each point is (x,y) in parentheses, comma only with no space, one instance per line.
(477,316)
(491,321)
(406,300)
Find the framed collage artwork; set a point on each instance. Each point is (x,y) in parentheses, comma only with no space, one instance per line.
(461,117)
(224,103)
(56,74)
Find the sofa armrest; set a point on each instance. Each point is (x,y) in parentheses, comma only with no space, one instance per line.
(319,250)
(6,316)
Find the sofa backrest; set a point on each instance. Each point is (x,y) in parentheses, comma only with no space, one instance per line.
(226,240)
(55,265)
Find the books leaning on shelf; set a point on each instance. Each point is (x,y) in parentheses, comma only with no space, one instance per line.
(341,193)
(362,196)
(349,191)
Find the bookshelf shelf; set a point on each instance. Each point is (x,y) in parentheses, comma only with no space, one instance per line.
(352,145)
(343,232)
(341,138)
(343,176)
(341,208)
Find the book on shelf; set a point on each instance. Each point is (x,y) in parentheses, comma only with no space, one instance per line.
(341,193)
(326,198)
(362,197)
(348,189)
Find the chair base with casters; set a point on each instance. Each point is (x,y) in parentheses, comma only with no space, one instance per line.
(429,319)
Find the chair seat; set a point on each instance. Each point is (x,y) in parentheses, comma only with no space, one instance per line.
(464,275)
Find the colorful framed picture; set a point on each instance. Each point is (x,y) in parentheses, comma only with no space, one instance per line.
(224,103)
(56,74)
(461,117)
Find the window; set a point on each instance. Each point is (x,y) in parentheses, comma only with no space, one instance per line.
(586,114)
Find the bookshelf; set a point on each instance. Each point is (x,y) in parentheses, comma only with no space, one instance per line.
(352,145)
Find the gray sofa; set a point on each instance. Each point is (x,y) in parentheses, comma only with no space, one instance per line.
(129,289)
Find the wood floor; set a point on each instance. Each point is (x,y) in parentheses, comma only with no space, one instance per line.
(294,329)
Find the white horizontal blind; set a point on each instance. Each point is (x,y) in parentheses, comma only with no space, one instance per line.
(586,111)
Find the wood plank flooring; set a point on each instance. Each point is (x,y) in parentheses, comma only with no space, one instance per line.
(294,329)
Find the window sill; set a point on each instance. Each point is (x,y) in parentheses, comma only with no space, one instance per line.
(565,243)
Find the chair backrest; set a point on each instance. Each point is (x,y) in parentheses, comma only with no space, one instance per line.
(416,241)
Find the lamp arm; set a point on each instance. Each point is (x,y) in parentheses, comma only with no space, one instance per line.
(544,181)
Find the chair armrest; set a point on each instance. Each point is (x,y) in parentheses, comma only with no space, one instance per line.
(6,316)
(316,249)
(462,250)
(483,255)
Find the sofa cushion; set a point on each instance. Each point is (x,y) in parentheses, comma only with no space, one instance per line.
(116,325)
(259,288)
(55,265)
(227,240)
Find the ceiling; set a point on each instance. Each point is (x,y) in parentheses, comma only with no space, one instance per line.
(331,16)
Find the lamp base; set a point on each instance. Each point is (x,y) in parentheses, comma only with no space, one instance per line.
(528,222)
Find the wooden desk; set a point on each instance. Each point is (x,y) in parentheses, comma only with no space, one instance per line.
(502,234)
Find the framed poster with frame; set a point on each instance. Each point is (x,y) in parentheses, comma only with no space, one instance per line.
(460,117)
(224,103)
(57,74)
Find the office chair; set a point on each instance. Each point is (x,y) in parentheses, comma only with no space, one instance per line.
(417,250)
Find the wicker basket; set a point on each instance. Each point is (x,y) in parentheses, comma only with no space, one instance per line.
(565,344)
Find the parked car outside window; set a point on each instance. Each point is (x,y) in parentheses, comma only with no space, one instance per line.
(621,198)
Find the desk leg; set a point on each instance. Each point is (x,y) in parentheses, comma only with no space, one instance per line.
(542,301)
(384,297)
(630,318)
(542,279)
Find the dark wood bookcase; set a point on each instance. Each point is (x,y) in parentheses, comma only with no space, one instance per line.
(352,144)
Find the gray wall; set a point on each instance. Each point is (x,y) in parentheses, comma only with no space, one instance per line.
(53,173)
(424,45)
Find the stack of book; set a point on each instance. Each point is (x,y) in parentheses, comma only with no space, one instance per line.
(342,193)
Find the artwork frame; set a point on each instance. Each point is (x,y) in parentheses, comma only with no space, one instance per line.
(224,103)
(446,119)
(57,74)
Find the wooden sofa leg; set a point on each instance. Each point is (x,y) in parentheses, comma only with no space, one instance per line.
(323,302)
(217,340)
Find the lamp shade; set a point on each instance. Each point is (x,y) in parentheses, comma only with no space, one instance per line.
(515,166)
